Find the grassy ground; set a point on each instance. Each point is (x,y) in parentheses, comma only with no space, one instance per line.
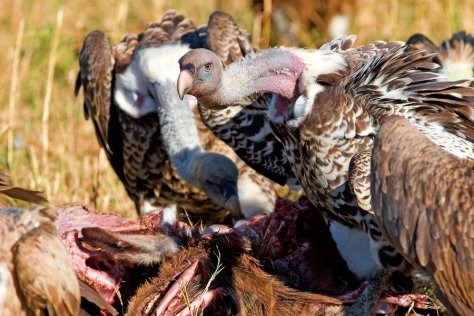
(45,142)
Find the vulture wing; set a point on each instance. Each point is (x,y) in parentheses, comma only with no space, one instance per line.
(97,63)
(96,66)
(399,81)
(454,55)
(44,273)
(423,198)
(226,39)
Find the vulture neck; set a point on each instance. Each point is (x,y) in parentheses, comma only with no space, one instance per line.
(178,130)
(274,70)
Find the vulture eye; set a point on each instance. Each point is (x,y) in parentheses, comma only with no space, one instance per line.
(207,66)
(323,83)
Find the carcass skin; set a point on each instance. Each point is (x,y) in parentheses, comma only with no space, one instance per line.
(286,258)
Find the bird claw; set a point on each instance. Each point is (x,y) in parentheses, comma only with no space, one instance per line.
(371,297)
(368,300)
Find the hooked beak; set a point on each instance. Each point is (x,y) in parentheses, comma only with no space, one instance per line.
(185,81)
(231,199)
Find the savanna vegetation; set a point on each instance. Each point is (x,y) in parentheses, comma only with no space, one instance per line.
(45,143)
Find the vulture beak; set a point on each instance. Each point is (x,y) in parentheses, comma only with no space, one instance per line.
(231,199)
(185,81)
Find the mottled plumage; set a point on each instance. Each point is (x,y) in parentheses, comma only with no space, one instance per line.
(455,56)
(244,127)
(423,197)
(328,106)
(328,141)
(36,277)
(132,134)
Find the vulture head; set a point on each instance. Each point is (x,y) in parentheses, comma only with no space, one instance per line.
(293,75)
(201,73)
(212,173)
(217,175)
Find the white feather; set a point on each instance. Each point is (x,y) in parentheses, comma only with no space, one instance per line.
(160,64)
(317,62)
(152,64)
(456,145)
(353,245)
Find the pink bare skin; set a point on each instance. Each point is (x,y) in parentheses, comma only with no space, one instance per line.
(202,76)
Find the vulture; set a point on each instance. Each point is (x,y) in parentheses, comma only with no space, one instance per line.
(157,145)
(455,56)
(326,109)
(36,277)
(244,127)
(423,197)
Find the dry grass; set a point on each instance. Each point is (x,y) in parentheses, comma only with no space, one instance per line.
(45,142)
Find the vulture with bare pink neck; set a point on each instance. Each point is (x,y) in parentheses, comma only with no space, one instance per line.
(327,107)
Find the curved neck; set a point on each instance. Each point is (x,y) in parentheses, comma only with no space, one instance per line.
(178,129)
(273,70)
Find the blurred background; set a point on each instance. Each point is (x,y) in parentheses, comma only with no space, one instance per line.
(46,144)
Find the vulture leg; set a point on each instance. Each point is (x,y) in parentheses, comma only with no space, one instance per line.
(367,302)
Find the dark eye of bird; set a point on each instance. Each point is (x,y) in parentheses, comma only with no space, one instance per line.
(207,66)
(323,83)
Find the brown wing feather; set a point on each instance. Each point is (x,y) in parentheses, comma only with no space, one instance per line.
(96,63)
(226,39)
(423,198)
(20,193)
(455,56)
(421,42)
(412,73)
(171,29)
(92,296)
(44,273)
(359,178)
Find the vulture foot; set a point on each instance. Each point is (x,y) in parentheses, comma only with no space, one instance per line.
(366,303)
